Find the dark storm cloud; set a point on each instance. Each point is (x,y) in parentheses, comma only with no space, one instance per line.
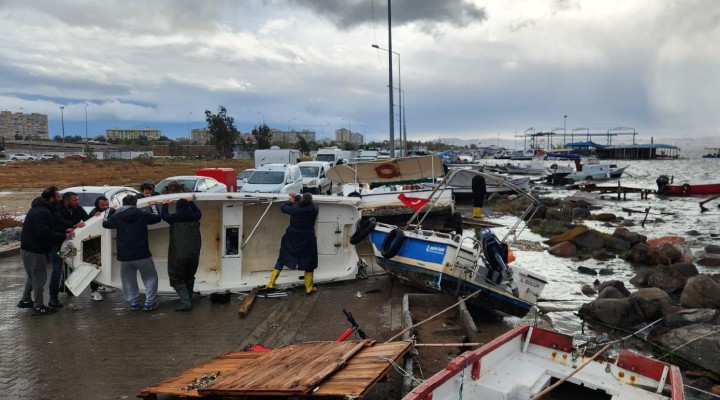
(346,14)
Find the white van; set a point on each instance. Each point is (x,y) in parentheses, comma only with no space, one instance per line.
(275,178)
(314,177)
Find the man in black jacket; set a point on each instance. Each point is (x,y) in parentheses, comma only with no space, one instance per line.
(133,252)
(39,233)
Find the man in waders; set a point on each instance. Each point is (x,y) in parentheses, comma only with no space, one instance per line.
(478,190)
(184,248)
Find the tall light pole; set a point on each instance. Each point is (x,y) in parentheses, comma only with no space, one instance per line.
(564,128)
(400,92)
(391,114)
(86,129)
(62,121)
(189,134)
(263,116)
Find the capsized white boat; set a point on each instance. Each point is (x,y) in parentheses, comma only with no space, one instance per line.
(525,362)
(588,169)
(386,200)
(241,234)
(461,182)
(395,170)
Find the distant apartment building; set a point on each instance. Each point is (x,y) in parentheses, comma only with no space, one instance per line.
(200,136)
(291,136)
(23,125)
(125,134)
(343,135)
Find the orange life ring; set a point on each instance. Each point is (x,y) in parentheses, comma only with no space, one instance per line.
(387,170)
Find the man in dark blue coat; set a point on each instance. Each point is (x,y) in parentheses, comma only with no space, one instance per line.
(133,252)
(298,249)
(39,233)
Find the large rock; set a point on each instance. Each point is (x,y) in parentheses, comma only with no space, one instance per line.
(611,292)
(673,253)
(652,302)
(712,249)
(639,254)
(615,312)
(619,285)
(588,290)
(667,279)
(618,244)
(581,212)
(564,249)
(698,343)
(709,261)
(641,278)
(631,237)
(690,316)
(701,291)
(603,255)
(603,217)
(587,270)
(685,269)
(590,240)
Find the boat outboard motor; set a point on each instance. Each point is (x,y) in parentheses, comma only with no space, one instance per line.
(495,254)
(662,183)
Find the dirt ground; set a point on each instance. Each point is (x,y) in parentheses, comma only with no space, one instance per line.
(20,182)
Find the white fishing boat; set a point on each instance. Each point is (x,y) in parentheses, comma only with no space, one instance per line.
(397,199)
(533,363)
(495,183)
(241,234)
(588,169)
(536,166)
(455,264)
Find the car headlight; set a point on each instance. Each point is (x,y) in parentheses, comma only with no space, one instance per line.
(312,182)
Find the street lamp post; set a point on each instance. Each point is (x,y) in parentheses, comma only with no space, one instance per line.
(401,95)
(564,128)
(86,128)
(62,121)
(189,134)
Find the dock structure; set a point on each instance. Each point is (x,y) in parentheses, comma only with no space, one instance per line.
(621,191)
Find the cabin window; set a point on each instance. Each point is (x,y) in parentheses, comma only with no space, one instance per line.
(232,241)
(92,251)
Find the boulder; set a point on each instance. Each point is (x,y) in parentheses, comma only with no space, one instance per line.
(619,285)
(701,291)
(641,278)
(610,292)
(568,236)
(685,269)
(639,254)
(588,290)
(709,261)
(603,217)
(666,239)
(590,240)
(628,222)
(667,279)
(586,270)
(618,244)
(581,212)
(656,256)
(564,249)
(607,271)
(557,215)
(712,249)
(615,312)
(632,237)
(652,302)
(693,342)
(603,255)
(689,316)
(673,253)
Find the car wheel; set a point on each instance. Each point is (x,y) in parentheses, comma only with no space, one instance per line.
(329,192)
(30,158)
(14,158)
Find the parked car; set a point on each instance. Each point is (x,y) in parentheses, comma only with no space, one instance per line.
(21,156)
(314,179)
(243,177)
(48,156)
(76,156)
(88,194)
(194,183)
(275,178)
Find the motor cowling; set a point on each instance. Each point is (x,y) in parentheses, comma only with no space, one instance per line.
(662,182)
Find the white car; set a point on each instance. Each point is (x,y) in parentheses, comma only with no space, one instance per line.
(314,177)
(49,156)
(194,183)
(275,178)
(21,156)
(243,177)
(88,194)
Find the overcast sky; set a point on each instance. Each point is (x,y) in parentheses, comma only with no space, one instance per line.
(470,69)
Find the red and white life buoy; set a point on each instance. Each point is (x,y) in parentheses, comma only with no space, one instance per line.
(387,170)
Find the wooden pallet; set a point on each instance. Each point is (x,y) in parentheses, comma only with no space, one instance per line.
(311,369)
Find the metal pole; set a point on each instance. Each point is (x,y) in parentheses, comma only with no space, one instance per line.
(62,119)
(391,115)
(189,134)
(564,128)
(86,128)
(404,126)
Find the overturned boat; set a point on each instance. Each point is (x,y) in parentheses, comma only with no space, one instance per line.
(437,261)
(241,234)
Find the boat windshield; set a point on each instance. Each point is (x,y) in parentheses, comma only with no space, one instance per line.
(267,177)
(309,172)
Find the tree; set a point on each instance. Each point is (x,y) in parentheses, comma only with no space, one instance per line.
(262,136)
(302,145)
(222,131)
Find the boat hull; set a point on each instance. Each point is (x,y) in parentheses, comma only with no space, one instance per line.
(241,235)
(689,189)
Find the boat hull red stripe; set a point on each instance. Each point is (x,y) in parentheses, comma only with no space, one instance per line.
(552,340)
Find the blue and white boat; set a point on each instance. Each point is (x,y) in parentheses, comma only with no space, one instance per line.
(458,265)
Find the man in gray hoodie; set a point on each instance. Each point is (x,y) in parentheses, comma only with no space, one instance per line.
(133,252)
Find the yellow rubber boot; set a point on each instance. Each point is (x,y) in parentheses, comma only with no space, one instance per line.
(273,277)
(479,214)
(309,288)
(476,211)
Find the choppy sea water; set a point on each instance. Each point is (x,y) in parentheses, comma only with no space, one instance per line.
(669,215)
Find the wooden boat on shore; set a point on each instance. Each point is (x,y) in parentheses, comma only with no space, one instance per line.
(241,234)
(459,265)
(666,187)
(528,362)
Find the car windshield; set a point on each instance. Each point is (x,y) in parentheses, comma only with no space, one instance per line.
(87,199)
(267,177)
(309,172)
(245,174)
(190,183)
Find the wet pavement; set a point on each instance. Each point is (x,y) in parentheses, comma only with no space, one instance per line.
(102,350)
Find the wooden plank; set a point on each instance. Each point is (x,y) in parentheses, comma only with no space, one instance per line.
(245,307)
(175,386)
(363,371)
(290,370)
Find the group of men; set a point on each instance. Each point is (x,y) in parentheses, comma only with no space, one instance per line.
(53,218)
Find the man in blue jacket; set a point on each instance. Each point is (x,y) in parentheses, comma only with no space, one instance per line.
(39,233)
(133,252)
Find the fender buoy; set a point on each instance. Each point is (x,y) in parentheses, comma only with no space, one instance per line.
(354,194)
(686,188)
(392,243)
(362,231)
(387,170)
